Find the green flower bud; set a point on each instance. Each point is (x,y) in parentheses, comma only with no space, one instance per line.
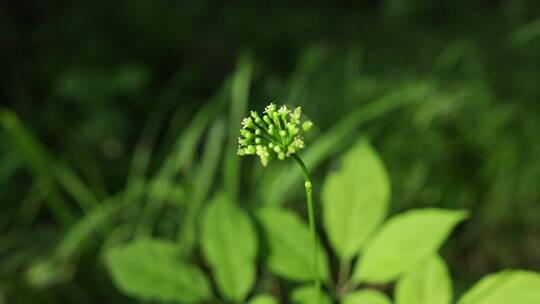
(306,126)
(255,115)
(270,108)
(246,134)
(267,119)
(248,123)
(291,149)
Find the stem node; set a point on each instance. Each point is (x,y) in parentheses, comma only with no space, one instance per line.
(312,229)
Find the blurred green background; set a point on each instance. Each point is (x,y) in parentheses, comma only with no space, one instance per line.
(112,103)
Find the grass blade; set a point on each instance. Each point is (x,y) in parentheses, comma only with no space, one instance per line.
(36,159)
(202,183)
(239,100)
(179,159)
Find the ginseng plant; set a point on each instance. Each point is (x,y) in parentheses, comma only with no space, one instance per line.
(277,135)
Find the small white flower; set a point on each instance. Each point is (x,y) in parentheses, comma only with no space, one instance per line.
(270,108)
(283,110)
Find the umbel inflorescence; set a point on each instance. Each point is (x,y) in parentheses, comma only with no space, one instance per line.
(274,135)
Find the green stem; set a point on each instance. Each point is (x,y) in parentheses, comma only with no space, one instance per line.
(343,275)
(312,230)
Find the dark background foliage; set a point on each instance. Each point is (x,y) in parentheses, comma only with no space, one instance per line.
(84,77)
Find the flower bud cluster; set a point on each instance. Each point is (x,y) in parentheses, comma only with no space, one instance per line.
(275,134)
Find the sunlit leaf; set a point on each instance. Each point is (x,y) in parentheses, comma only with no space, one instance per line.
(308,295)
(428,283)
(290,245)
(403,241)
(263,299)
(512,286)
(153,270)
(355,199)
(366,296)
(229,243)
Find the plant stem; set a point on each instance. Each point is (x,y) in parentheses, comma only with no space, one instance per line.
(343,275)
(312,229)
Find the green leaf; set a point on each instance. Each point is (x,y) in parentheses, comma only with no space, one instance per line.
(229,244)
(263,299)
(366,296)
(153,270)
(308,295)
(355,199)
(290,245)
(429,283)
(510,286)
(405,240)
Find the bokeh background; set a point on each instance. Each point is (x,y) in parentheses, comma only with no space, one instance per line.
(97,96)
